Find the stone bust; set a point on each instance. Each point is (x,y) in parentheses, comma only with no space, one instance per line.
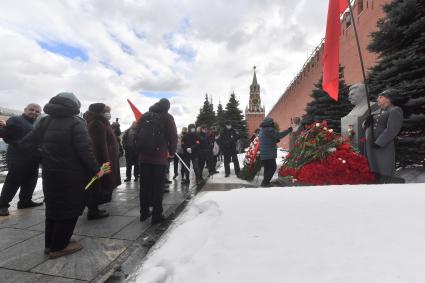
(351,125)
(357,97)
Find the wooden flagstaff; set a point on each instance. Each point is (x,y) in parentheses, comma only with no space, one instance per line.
(353,21)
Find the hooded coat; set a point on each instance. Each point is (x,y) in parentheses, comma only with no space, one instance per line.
(168,148)
(67,157)
(268,138)
(106,149)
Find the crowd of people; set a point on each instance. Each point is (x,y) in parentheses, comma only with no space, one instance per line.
(72,149)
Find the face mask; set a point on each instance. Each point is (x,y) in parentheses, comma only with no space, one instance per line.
(228,127)
(107,115)
(192,130)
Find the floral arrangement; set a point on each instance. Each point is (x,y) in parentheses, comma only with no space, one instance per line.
(106,168)
(252,162)
(321,157)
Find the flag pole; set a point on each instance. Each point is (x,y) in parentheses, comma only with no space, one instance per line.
(360,55)
(361,63)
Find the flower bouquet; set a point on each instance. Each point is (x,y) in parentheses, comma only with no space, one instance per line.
(321,157)
(106,168)
(252,162)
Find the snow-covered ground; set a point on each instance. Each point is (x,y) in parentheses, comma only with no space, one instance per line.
(338,234)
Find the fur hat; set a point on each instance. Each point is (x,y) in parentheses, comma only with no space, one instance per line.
(390,93)
(97,107)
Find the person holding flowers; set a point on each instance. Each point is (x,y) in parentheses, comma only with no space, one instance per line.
(68,163)
(269,137)
(106,149)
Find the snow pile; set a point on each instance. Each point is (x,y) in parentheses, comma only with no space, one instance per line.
(304,234)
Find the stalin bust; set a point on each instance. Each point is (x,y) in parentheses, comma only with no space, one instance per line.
(351,125)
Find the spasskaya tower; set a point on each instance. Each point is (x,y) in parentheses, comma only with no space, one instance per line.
(254,113)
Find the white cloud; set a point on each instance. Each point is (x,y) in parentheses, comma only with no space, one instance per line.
(186,47)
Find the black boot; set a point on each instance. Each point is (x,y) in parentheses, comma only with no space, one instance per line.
(29,204)
(97,214)
(4,211)
(158,219)
(144,216)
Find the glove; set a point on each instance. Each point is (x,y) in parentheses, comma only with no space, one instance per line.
(290,129)
(368,122)
(189,150)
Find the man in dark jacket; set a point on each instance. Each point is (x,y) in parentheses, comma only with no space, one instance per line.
(191,151)
(68,163)
(131,158)
(153,164)
(205,148)
(227,144)
(269,137)
(380,148)
(106,149)
(212,159)
(22,166)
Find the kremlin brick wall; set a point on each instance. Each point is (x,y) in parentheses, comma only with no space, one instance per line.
(293,101)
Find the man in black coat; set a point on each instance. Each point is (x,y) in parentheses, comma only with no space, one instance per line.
(68,163)
(191,150)
(131,159)
(227,142)
(22,166)
(205,151)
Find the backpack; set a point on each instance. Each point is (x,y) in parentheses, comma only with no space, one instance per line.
(150,134)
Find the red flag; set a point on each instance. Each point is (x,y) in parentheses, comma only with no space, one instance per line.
(137,113)
(331,53)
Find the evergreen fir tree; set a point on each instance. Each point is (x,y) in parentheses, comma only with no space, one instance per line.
(235,116)
(219,122)
(206,114)
(322,107)
(400,43)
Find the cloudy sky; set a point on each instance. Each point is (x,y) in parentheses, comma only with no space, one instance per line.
(111,50)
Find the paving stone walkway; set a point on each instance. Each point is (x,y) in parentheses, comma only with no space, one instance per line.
(108,242)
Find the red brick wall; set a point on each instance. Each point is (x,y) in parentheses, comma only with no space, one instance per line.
(295,98)
(253,121)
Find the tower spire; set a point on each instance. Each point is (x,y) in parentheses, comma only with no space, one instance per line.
(254,79)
